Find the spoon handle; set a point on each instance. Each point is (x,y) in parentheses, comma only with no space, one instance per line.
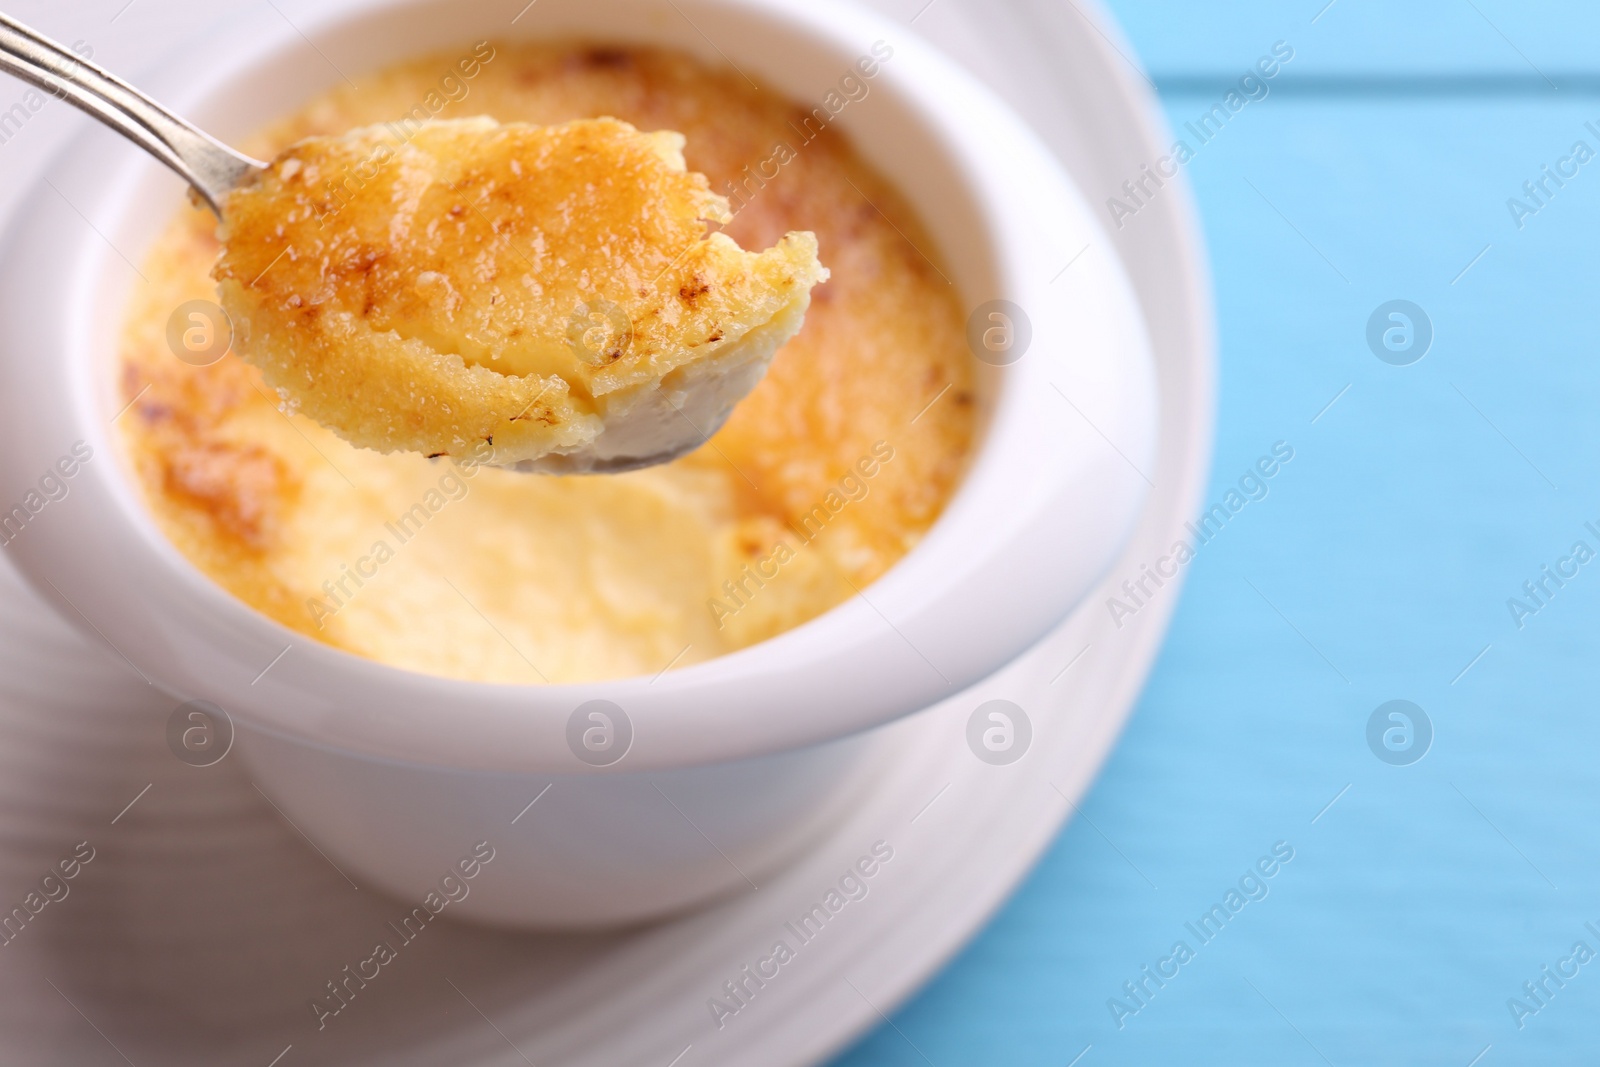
(204,162)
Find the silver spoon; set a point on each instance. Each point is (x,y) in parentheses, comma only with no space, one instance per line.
(200,159)
(663,428)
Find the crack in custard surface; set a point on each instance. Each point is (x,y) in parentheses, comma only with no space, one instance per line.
(824,476)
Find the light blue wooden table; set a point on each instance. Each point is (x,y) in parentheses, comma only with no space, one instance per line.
(1421,897)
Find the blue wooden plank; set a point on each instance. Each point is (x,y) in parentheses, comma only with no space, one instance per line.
(1379,566)
(1416,37)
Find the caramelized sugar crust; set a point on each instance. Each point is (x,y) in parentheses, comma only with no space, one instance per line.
(828,473)
(428,291)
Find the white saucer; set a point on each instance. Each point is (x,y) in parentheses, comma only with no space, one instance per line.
(205,923)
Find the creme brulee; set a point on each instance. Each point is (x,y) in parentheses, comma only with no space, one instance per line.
(824,476)
(442,305)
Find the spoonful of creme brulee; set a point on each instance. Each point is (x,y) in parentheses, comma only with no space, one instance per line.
(543,297)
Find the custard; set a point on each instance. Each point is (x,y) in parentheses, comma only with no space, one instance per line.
(433,291)
(825,475)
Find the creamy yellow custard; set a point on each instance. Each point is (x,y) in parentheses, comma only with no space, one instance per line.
(826,474)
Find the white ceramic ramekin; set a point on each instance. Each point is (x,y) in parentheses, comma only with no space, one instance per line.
(732,764)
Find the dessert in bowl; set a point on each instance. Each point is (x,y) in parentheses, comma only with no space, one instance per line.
(824,478)
(709,768)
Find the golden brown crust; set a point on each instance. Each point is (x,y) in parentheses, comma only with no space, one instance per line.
(429,290)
